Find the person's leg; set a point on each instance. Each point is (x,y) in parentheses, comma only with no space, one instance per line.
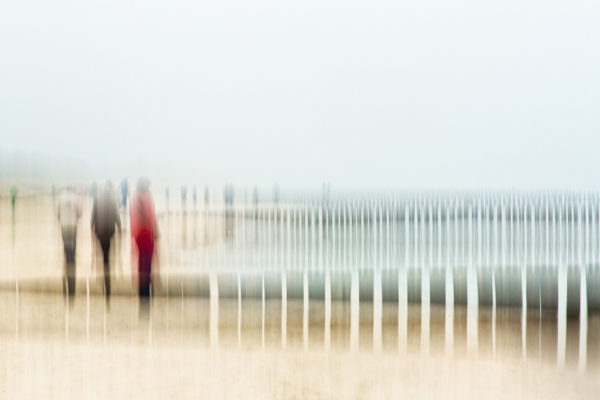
(69,281)
(144,281)
(105,244)
(69,248)
(71,271)
(145,261)
(144,286)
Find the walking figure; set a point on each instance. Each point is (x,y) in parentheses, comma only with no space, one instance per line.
(68,212)
(105,216)
(144,232)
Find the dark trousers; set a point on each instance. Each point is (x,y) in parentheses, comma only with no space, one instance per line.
(69,236)
(145,282)
(144,269)
(145,254)
(105,246)
(69,282)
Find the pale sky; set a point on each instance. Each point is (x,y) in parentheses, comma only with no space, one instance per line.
(362,94)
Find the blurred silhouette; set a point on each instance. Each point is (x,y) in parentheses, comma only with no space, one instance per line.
(144,232)
(13,202)
(68,212)
(228,196)
(184,198)
(195,219)
(194,197)
(124,192)
(105,215)
(184,215)
(13,196)
(255,201)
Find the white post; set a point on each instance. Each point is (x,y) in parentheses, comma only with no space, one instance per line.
(402,287)
(239,321)
(284,308)
(449,323)
(263,312)
(524,286)
(354,311)
(562,294)
(305,311)
(214,310)
(583,323)
(425,289)
(472,295)
(327,310)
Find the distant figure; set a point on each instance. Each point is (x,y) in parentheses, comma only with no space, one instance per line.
(205,219)
(183,197)
(228,194)
(124,192)
(13,196)
(68,212)
(144,232)
(195,197)
(229,197)
(105,216)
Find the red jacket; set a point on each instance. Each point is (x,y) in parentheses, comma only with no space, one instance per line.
(143,221)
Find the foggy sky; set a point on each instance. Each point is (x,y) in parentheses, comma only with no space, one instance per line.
(362,94)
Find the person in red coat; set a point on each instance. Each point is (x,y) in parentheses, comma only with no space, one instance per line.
(144,232)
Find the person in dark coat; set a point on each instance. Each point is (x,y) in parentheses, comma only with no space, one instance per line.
(105,217)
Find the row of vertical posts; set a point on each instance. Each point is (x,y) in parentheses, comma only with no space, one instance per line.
(488,231)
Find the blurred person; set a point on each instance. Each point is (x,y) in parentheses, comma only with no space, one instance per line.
(69,212)
(205,219)
(255,200)
(195,220)
(184,198)
(124,192)
(229,196)
(13,203)
(105,216)
(13,196)
(144,232)
(194,197)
